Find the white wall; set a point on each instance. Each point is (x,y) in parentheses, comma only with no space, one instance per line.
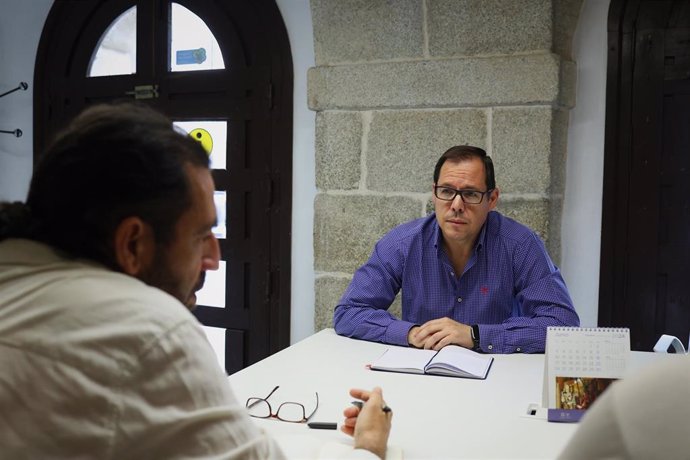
(21,23)
(297,17)
(581,225)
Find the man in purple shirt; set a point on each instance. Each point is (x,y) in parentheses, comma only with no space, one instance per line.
(469,275)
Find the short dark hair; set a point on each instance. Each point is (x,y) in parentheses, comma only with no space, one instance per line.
(467,152)
(113,161)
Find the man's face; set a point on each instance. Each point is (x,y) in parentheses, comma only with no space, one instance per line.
(461,222)
(179,268)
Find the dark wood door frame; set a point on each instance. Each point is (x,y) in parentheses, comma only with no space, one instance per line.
(257,97)
(631,292)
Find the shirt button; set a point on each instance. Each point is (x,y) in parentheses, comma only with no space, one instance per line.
(459,299)
(490,347)
(518,349)
(452,273)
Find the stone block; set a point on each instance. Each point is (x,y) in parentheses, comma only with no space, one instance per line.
(328,290)
(521,149)
(403,146)
(470,27)
(541,215)
(567,96)
(346,227)
(338,150)
(553,245)
(565,16)
(534,213)
(559,148)
(429,206)
(365,30)
(497,80)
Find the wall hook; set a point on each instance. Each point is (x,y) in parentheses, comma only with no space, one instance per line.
(23,86)
(16,132)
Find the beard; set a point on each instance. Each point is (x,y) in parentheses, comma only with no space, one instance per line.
(191,301)
(161,275)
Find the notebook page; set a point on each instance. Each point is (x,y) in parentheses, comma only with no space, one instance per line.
(463,359)
(404,358)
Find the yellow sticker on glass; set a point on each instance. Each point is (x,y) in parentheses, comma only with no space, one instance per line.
(204,138)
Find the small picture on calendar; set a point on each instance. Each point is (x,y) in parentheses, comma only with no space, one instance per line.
(579,392)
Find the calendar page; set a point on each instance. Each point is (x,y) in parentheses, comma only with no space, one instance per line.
(581,363)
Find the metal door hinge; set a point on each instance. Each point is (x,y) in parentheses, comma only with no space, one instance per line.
(144,92)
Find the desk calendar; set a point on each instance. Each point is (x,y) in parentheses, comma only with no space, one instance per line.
(580,364)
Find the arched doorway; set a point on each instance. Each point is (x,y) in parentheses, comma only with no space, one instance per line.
(237,86)
(645,257)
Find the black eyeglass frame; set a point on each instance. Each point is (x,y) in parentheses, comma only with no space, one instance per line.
(461,193)
(252,401)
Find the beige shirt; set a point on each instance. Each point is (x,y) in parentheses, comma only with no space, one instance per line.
(644,416)
(96,364)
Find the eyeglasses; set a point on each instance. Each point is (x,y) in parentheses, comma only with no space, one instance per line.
(467,196)
(287,411)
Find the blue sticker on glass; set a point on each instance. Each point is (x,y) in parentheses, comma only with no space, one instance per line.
(196,56)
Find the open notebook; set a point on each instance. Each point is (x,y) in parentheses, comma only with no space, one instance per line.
(451,360)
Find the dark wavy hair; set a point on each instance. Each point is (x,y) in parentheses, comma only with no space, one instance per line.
(111,162)
(467,152)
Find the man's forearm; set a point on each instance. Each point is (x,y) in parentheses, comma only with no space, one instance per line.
(368,323)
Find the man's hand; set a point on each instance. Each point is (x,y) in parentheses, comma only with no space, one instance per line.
(437,333)
(412,338)
(370,425)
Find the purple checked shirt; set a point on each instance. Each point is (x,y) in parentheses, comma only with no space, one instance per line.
(509,287)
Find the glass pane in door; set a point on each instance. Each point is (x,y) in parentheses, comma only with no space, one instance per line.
(220,200)
(213,136)
(213,292)
(116,52)
(193,46)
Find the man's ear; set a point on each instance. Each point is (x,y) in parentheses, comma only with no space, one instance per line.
(134,245)
(493,198)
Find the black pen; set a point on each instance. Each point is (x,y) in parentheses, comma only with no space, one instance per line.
(322,425)
(359,404)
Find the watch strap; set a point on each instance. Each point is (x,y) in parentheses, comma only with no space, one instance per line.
(475,336)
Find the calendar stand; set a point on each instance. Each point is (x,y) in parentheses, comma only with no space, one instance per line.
(580,364)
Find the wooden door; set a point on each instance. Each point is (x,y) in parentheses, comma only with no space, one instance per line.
(250,95)
(645,260)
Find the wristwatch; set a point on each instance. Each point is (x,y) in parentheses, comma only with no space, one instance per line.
(475,336)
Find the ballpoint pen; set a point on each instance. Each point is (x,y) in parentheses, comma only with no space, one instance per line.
(359,404)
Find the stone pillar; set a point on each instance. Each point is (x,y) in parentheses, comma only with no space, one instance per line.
(397,82)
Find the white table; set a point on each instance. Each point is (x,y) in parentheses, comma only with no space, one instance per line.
(434,417)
